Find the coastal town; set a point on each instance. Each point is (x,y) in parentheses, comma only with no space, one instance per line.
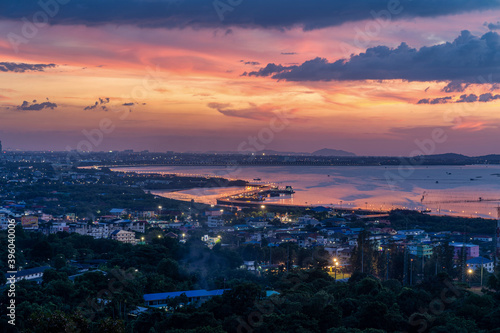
(141,217)
(76,224)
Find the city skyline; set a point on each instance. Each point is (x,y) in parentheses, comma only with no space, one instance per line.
(208,76)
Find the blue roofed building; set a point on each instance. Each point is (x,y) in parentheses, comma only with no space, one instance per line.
(197,297)
(477,262)
(30,274)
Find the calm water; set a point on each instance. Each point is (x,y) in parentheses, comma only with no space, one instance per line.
(452,190)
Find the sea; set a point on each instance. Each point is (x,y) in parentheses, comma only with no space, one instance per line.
(470,191)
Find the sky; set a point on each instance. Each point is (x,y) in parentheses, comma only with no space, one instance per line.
(373,77)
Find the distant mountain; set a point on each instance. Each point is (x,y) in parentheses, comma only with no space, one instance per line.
(321,152)
(332,152)
(447,156)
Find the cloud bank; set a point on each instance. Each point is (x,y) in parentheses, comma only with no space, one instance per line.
(27,106)
(22,67)
(468,59)
(279,14)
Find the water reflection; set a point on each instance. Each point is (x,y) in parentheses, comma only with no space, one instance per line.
(452,190)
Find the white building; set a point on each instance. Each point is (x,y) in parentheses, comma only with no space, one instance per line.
(476,263)
(215,222)
(27,274)
(123,236)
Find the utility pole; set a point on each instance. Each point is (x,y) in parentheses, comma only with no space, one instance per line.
(405,267)
(387,266)
(423,264)
(362,256)
(482,272)
(411,272)
(464,257)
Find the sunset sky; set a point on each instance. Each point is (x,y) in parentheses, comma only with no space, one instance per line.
(371,77)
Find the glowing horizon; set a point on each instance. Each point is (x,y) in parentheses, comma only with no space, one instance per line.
(190,88)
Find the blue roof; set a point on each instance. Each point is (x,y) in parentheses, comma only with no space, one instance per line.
(462,245)
(189,293)
(479,260)
(30,271)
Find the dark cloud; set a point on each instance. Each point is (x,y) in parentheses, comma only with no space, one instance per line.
(27,106)
(455,86)
(488,97)
(22,67)
(101,102)
(467,98)
(493,26)
(288,53)
(439,100)
(468,59)
(128,104)
(471,98)
(253,63)
(278,14)
(271,69)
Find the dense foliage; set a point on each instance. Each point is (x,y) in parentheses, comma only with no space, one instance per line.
(309,300)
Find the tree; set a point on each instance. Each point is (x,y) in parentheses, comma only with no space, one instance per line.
(169,268)
(59,261)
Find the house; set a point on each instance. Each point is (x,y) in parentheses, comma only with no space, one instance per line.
(476,263)
(27,274)
(210,241)
(4,221)
(471,250)
(196,297)
(412,232)
(308,220)
(248,265)
(123,236)
(257,222)
(214,212)
(421,250)
(118,211)
(482,238)
(137,226)
(215,222)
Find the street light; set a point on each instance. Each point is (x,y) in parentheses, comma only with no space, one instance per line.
(335,264)
(470,271)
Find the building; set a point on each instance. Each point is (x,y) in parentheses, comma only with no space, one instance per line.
(210,241)
(471,250)
(196,297)
(123,236)
(482,238)
(411,232)
(476,263)
(308,220)
(127,225)
(118,211)
(421,250)
(4,221)
(215,222)
(31,274)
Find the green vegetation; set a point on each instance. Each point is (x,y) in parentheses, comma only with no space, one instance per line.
(309,299)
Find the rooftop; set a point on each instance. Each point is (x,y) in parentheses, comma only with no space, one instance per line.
(189,293)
